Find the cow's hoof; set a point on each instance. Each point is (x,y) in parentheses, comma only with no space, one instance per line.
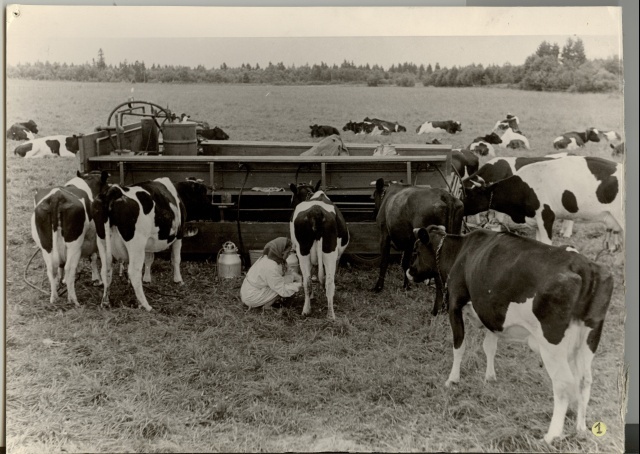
(489,378)
(147,308)
(179,282)
(548,439)
(450,382)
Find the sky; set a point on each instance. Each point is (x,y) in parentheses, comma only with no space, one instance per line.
(375,35)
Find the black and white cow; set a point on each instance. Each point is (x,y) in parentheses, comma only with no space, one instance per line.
(399,209)
(500,168)
(388,126)
(551,297)
(483,146)
(56,146)
(575,187)
(212,134)
(511,121)
(319,235)
(363,128)
(323,130)
(439,127)
(63,228)
(134,222)
(513,139)
(574,140)
(22,131)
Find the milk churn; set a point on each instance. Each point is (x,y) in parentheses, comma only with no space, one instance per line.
(229,262)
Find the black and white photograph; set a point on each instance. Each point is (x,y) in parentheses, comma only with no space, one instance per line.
(313,229)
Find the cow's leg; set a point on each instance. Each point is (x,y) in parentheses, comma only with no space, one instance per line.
(96,279)
(52,274)
(74,250)
(330,262)
(405,262)
(106,269)
(584,379)
(176,248)
(544,221)
(385,248)
(437,302)
(490,346)
(555,361)
(567,228)
(457,326)
(305,269)
(148,261)
(134,270)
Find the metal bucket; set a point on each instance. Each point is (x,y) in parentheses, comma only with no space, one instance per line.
(180,139)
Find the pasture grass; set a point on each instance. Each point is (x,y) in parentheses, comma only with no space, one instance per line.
(201,373)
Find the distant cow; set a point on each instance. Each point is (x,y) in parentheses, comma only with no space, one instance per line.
(22,131)
(511,121)
(574,140)
(319,235)
(362,128)
(56,146)
(483,146)
(63,228)
(514,140)
(572,187)
(212,134)
(134,222)
(439,127)
(617,150)
(551,297)
(323,130)
(389,126)
(399,209)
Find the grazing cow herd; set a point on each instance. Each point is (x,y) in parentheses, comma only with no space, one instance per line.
(553,298)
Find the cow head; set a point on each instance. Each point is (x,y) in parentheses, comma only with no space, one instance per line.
(193,193)
(454,127)
(423,262)
(96,180)
(72,143)
(476,196)
(314,130)
(593,135)
(492,138)
(617,150)
(350,126)
(219,134)
(302,192)
(400,128)
(31,126)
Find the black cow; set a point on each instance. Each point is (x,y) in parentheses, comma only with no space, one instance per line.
(399,209)
(212,134)
(552,297)
(438,127)
(574,140)
(22,131)
(134,222)
(388,126)
(63,228)
(319,235)
(323,130)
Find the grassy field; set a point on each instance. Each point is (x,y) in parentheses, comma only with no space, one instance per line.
(204,374)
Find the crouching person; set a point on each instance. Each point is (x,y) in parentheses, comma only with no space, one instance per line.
(267,280)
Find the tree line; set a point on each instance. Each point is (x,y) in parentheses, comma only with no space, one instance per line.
(550,68)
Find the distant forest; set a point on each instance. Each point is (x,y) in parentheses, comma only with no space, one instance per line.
(550,68)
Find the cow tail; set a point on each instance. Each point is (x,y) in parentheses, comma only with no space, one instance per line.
(57,242)
(321,267)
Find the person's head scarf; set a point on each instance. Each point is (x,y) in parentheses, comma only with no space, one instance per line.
(278,250)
